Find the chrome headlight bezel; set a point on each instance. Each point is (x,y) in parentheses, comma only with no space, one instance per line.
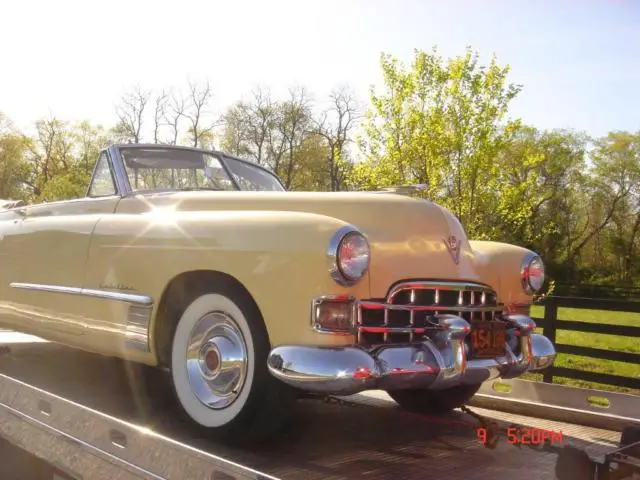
(336,269)
(525,277)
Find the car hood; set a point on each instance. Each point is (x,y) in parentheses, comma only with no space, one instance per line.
(409,238)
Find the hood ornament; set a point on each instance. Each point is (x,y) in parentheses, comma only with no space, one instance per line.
(453,245)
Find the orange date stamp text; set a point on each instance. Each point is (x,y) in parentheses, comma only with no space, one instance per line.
(524,436)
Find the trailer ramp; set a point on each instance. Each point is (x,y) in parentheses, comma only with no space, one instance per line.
(91,417)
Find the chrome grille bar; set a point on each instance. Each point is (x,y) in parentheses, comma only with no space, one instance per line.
(473,302)
(462,303)
(429,285)
(412,300)
(367,305)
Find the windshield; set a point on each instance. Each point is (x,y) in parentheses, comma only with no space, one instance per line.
(181,169)
(249,177)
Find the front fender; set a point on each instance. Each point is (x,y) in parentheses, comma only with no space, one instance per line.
(500,264)
(279,257)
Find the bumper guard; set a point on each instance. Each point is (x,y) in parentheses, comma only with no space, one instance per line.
(433,364)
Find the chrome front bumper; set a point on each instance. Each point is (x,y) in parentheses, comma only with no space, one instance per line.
(431,364)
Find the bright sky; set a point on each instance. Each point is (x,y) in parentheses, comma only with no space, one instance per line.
(579,61)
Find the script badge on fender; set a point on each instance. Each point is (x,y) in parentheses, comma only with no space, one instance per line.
(453,245)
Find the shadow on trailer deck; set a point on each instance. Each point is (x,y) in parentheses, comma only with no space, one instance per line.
(368,437)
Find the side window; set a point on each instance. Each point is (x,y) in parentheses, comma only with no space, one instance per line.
(102,184)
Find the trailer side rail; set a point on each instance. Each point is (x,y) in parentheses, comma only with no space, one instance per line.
(85,443)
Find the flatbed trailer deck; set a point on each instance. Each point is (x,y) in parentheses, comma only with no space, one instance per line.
(89,416)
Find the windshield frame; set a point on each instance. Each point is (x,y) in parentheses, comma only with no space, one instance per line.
(225,158)
(122,179)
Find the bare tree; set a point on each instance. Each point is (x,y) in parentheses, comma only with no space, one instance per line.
(130,113)
(199,103)
(336,126)
(159,114)
(174,111)
(294,125)
(235,134)
(261,121)
(251,125)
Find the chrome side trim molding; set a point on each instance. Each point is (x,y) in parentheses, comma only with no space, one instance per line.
(107,295)
(137,330)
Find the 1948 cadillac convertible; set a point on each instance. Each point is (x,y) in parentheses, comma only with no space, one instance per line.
(203,265)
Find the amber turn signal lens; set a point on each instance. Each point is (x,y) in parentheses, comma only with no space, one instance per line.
(334,315)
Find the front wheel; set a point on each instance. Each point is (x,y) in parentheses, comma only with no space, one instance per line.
(219,368)
(434,401)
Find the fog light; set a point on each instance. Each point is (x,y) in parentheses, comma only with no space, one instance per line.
(334,314)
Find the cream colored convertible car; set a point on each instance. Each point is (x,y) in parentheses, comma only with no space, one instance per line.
(202,264)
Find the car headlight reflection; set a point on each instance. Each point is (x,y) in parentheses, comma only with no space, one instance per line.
(532,273)
(349,256)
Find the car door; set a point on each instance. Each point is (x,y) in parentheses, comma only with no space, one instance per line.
(49,251)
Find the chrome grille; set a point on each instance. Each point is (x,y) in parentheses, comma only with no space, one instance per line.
(407,314)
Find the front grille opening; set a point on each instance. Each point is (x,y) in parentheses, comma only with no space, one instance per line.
(375,318)
(378,319)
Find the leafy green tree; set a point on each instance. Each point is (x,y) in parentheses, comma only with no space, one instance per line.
(14,167)
(540,177)
(440,123)
(615,195)
(65,186)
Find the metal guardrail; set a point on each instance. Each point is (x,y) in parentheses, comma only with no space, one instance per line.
(95,445)
(550,325)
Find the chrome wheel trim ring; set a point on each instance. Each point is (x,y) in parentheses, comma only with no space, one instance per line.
(216,360)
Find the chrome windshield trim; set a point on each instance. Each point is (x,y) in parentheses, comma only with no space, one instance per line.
(114,177)
(104,294)
(225,159)
(122,181)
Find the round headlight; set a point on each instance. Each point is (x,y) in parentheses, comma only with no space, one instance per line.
(532,273)
(349,256)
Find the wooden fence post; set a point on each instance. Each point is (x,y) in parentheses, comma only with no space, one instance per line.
(549,331)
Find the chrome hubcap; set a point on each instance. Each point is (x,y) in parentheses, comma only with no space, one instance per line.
(216,360)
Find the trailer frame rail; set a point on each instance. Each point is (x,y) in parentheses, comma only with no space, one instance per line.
(62,433)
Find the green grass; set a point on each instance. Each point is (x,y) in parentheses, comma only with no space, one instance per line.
(594,340)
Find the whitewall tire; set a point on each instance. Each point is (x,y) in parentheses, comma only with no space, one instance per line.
(218,367)
(202,335)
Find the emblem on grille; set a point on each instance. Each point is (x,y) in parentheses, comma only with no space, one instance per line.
(453,245)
